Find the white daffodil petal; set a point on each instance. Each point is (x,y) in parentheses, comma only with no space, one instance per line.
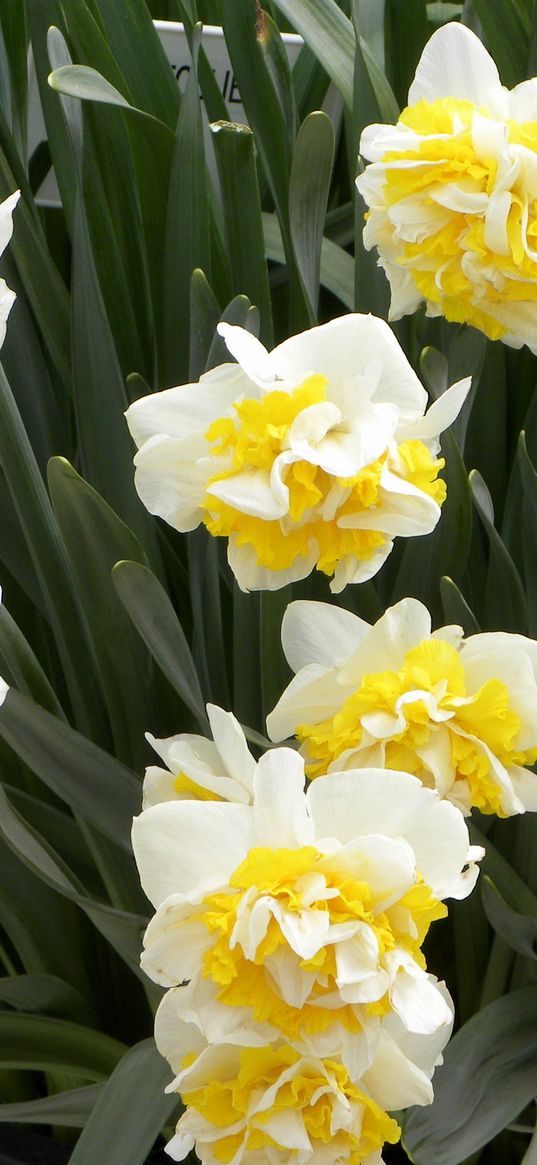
(441,414)
(455,63)
(189,844)
(250,492)
(320,633)
(180,412)
(232,746)
(395,1078)
(417,1001)
(279,780)
(309,697)
(249,352)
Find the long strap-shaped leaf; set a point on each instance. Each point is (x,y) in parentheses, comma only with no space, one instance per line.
(95,785)
(130,1111)
(50,564)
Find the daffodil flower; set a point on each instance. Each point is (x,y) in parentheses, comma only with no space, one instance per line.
(458,713)
(272,1105)
(452,193)
(315,455)
(7,296)
(201,769)
(320,907)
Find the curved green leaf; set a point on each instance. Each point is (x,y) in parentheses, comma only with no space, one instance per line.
(152,613)
(55,1045)
(130,1111)
(488,1076)
(95,539)
(518,930)
(70,1109)
(86,84)
(505,602)
(95,785)
(311,172)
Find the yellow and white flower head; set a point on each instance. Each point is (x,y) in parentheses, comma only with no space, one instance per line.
(459,713)
(274,1103)
(7,296)
(315,455)
(303,910)
(198,769)
(452,193)
(271,1104)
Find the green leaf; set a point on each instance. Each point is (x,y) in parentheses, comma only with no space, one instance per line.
(527,529)
(46,994)
(138,52)
(33,916)
(13,19)
(455,607)
(208,644)
(50,563)
(337,267)
(100,394)
(506,880)
(488,1076)
(311,172)
(406,34)
(19,665)
(152,613)
(518,930)
(55,1045)
(111,201)
(506,33)
(122,929)
(93,784)
(96,539)
(204,317)
(43,285)
(505,603)
(188,227)
(86,84)
(275,673)
(245,29)
(69,1109)
(330,35)
(130,1111)
(425,560)
(235,155)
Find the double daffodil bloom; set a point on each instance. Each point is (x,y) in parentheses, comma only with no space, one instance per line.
(7,296)
(452,193)
(276,1104)
(459,713)
(315,455)
(307,916)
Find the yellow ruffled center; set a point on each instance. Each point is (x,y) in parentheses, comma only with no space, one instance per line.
(462,261)
(300,881)
(313,1092)
(433,667)
(254,437)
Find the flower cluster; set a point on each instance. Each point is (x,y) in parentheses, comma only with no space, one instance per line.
(452,193)
(316,454)
(289,928)
(291,912)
